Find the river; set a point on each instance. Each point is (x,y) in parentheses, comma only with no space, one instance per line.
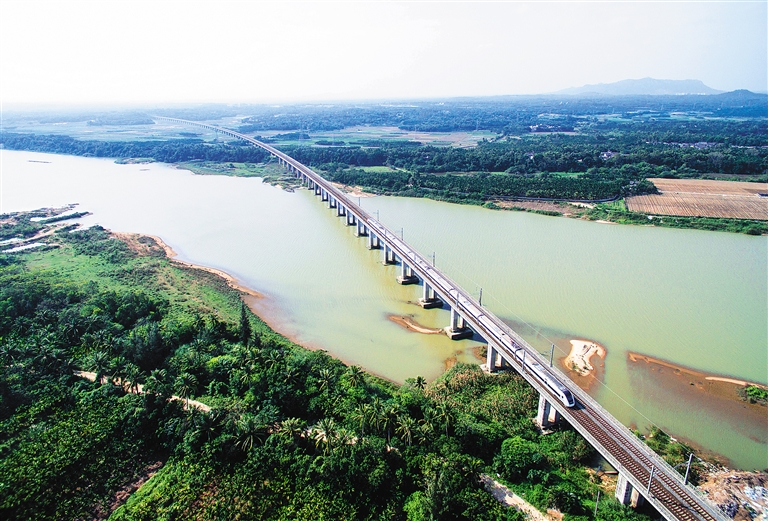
(693,298)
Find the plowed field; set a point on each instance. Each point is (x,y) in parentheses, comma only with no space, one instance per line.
(704,198)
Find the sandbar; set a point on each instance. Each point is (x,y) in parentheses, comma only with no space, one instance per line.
(411,325)
(720,386)
(354,191)
(579,360)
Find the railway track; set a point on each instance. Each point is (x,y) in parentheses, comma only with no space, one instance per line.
(663,488)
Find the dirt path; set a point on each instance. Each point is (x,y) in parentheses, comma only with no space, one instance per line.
(140,390)
(506,496)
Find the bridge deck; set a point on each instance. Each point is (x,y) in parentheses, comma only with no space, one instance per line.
(630,456)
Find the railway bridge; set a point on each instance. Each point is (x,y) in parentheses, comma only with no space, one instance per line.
(643,475)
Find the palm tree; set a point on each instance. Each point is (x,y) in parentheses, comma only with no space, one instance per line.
(273,359)
(206,424)
(157,382)
(344,438)
(292,428)
(426,429)
(118,367)
(8,354)
(356,375)
(420,382)
(290,375)
(324,433)
(98,362)
(406,426)
(326,378)
(185,385)
(388,418)
(249,431)
(361,415)
(134,377)
(48,357)
(445,414)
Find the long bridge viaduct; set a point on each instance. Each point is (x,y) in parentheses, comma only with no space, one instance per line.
(643,475)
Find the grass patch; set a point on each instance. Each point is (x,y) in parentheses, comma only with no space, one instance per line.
(270,172)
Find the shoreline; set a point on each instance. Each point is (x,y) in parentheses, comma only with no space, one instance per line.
(171,255)
(256,301)
(680,370)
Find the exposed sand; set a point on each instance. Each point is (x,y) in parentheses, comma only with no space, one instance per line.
(579,360)
(727,380)
(354,191)
(411,325)
(507,497)
(689,373)
(720,396)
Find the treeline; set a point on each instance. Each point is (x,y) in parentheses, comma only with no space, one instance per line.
(508,115)
(505,115)
(554,153)
(292,434)
(172,151)
(490,186)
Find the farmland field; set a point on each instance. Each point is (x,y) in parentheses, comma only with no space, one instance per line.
(705,198)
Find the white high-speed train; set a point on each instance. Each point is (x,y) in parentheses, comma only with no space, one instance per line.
(500,337)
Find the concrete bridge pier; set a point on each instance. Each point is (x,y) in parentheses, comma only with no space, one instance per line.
(324,196)
(318,189)
(332,203)
(341,210)
(429,298)
(547,415)
(495,360)
(626,494)
(351,219)
(406,274)
(389,255)
(491,358)
(458,329)
(362,229)
(374,243)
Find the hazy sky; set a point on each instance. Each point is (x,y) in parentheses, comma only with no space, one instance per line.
(63,51)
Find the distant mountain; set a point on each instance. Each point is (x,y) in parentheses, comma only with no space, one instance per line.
(645,86)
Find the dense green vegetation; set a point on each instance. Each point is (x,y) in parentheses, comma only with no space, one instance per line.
(171,151)
(755,394)
(613,144)
(292,434)
(503,114)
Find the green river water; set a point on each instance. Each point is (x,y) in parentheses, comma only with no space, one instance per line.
(693,298)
